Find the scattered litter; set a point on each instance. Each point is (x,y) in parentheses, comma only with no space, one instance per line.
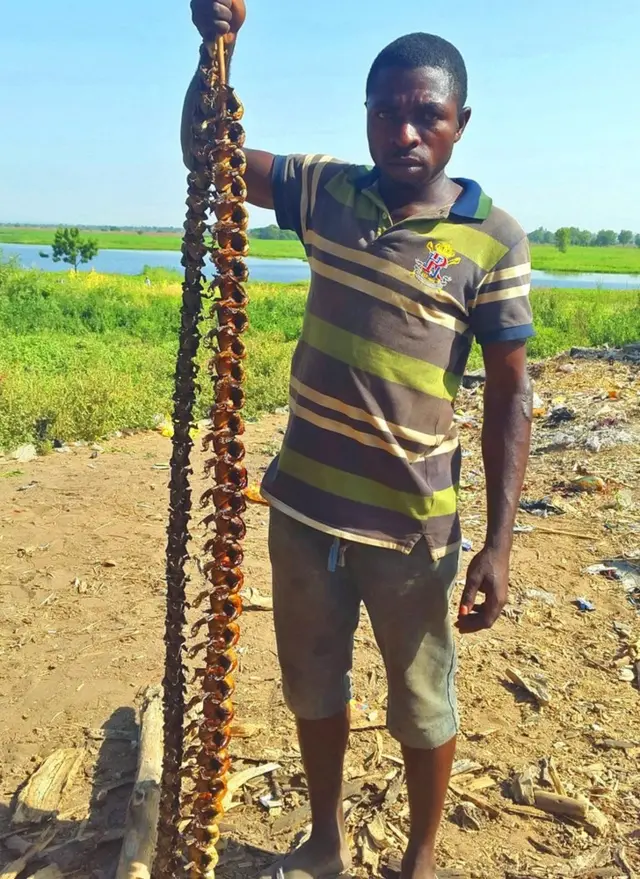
(468,816)
(584,605)
(539,409)
(588,484)
(160,467)
(28,486)
(244,730)
(559,415)
(254,600)
(536,685)
(26,453)
(467,545)
(542,507)
(608,571)
(474,379)
(541,595)
(252,494)
(269,802)
(523,529)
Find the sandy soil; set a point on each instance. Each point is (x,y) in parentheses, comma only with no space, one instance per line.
(82,537)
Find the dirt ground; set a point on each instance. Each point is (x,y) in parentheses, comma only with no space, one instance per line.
(82,537)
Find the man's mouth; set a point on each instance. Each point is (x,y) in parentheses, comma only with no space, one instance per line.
(406,162)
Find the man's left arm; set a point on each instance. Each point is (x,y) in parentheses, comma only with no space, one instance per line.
(506,435)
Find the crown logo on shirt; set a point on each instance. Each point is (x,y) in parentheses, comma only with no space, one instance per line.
(441,257)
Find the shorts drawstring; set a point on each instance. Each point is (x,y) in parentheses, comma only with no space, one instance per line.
(337,555)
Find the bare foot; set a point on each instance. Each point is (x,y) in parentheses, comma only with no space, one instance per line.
(420,866)
(316,859)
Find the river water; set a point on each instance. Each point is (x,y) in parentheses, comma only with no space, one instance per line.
(131,262)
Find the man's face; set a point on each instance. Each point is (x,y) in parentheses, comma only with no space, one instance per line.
(413,123)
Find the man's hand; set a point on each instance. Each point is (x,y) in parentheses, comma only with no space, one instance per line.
(220,18)
(488,573)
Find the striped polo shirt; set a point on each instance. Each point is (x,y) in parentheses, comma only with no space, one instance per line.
(371,453)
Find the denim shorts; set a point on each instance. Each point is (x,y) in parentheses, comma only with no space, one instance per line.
(318,585)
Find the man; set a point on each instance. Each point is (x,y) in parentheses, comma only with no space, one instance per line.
(407,267)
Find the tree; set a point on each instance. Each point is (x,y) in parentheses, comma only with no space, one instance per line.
(273,233)
(625,237)
(606,238)
(585,238)
(69,247)
(637,240)
(563,239)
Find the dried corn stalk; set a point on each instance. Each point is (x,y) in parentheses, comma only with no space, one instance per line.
(198,754)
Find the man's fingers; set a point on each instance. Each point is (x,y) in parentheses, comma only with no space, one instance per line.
(212,20)
(222,12)
(469,596)
(474,622)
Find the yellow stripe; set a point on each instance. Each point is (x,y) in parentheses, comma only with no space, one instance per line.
(350,486)
(383,294)
(502,295)
(437,443)
(386,363)
(521,271)
(323,161)
(477,246)
(365,439)
(385,267)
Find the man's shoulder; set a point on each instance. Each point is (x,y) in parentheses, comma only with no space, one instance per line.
(503,227)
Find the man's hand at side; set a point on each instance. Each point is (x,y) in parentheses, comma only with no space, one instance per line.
(489,574)
(506,435)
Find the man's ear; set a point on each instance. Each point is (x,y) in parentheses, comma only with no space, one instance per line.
(463,121)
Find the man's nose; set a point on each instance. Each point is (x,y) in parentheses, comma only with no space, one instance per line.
(406,135)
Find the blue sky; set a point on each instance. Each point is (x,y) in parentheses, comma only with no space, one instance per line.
(90,98)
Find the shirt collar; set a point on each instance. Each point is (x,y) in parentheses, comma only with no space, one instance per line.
(471,204)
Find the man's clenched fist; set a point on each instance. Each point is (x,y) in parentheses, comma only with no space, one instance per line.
(220,18)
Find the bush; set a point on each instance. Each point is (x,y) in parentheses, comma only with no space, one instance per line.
(83,356)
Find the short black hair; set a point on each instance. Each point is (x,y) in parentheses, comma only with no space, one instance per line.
(424,50)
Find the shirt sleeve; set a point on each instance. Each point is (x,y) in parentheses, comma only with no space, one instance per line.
(502,310)
(289,181)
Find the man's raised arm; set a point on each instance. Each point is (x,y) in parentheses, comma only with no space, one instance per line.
(225,18)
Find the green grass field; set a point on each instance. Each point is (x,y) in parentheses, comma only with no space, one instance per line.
(147,241)
(619,260)
(83,356)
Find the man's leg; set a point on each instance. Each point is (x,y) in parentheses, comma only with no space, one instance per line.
(428,774)
(407,597)
(315,615)
(323,744)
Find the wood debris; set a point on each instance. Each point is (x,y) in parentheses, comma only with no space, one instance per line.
(13,870)
(40,799)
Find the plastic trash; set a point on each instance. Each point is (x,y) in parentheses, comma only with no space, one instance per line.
(588,484)
(559,415)
(467,545)
(584,605)
(542,507)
